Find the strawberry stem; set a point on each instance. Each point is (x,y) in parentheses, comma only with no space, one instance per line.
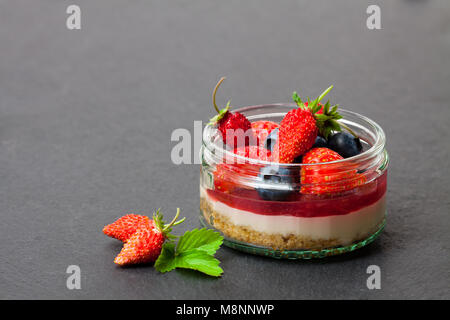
(214,94)
(172,223)
(324,93)
(314,105)
(178,222)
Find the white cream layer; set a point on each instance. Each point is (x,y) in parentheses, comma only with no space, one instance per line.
(345,228)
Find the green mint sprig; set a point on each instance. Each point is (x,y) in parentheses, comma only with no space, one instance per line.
(195,250)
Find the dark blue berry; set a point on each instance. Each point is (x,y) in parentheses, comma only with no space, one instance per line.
(320,143)
(345,144)
(271,139)
(299,159)
(277,183)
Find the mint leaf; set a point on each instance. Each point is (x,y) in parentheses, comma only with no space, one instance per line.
(204,240)
(199,260)
(193,259)
(194,251)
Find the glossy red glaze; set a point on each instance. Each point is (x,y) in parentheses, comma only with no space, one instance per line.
(305,205)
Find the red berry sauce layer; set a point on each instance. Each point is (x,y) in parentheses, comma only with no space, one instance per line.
(300,205)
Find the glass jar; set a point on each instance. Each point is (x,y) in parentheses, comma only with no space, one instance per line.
(309,223)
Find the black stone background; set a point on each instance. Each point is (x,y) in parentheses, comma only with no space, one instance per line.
(86,118)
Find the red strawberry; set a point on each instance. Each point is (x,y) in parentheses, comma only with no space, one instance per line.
(223,180)
(297,133)
(238,126)
(299,127)
(325,179)
(261,129)
(226,173)
(235,124)
(124,227)
(145,244)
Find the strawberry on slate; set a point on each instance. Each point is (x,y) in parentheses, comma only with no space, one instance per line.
(152,241)
(145,244)
(124,227)
(233,123)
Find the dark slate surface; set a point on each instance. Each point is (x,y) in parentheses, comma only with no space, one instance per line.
(86,118)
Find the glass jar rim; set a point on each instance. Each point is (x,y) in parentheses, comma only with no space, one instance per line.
(375,149)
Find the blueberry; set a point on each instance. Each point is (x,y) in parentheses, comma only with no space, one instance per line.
(320,143)
(299,159)
(345,144)
(279,183)
(271,139)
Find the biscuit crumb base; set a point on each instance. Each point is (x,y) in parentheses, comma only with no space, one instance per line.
(274,241)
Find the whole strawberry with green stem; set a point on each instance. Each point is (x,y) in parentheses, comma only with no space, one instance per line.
(145,244)
(299,128)
(233,123)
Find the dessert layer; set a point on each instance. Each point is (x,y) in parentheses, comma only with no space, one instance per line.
(332,230)
(248,235)
(301,205)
